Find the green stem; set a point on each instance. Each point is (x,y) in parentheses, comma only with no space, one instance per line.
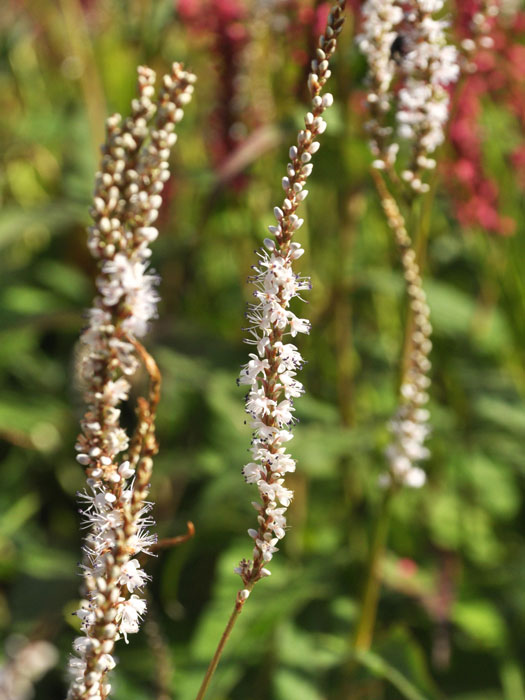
(239,604)
(366,624)
(80,46)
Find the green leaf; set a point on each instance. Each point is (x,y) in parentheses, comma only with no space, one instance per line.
(15,516)
(481,621)
(53,218)
(451,310)
(290,683)
(382,669)
(512,679)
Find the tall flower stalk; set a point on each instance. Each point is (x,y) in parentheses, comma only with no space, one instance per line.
(271,370)
(411,67)
(115,511)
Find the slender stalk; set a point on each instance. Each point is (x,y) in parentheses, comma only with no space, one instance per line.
(77,35)
(365,627)
(404,451)
(341,307)
(271,371)
(239,604)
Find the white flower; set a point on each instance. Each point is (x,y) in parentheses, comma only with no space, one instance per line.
(87,617)
(253,472)
(258,404)
(289,357)
(415,478)
(129,614)
(298,325)
(252,369)
(408,56)
(292,388)
(132,575)
(267,548)
(125,281)
(409,431)
(277,521)
(282,462)
(283,412)
(76,668)
(429,66)
(116,391)
(275,491)
(141,541)
(126,202)
(265,433)
(271,373)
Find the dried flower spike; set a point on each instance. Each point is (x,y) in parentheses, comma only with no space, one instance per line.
(127,198)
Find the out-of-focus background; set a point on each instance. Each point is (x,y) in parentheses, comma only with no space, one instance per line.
(451,620)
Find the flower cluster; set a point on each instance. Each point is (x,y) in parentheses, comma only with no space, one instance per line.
(127,199)
(410,66)
(271,371)
(430,66)
(496,62)
(381,18)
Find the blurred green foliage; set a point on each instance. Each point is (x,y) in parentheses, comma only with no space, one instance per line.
(452,612)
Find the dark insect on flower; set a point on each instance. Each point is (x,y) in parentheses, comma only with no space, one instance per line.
(399,48)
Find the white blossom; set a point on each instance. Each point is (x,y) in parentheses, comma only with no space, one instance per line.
(127,199)
(271,372)
(410,67)
(129,613)
(132,576)
(429,66)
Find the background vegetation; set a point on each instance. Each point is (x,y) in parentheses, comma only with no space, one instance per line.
(452,612)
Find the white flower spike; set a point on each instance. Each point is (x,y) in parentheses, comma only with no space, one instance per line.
(271,372)
(127,199)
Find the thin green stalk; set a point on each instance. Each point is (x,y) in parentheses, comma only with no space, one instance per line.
(368,614)
(239,604)
(77,36)
(365,627)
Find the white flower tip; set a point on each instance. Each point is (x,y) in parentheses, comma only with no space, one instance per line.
(125,470)
(321,126)
(415,478)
